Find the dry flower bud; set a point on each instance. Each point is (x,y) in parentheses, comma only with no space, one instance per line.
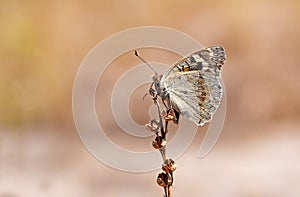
(169,166)
(158,142)
(170,115)
(163,179)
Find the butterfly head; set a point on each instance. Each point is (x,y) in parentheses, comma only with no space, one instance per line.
(156,79)
(161,91)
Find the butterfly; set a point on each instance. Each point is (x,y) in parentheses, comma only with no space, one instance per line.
(191,86)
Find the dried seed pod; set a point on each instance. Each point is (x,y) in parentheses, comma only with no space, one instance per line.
(170,115)
(163,179)
(169,165)
(158,142)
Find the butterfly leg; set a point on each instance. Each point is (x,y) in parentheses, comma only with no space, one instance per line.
(153,92)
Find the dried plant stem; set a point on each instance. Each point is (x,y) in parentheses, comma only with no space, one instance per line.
(169,187)
(170,191)
(163,153)
(160,128)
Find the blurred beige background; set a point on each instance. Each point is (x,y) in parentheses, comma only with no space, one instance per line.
(42,44)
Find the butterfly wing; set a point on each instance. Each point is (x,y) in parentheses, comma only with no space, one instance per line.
(193,84)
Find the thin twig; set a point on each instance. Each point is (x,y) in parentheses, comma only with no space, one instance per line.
(161,134)
(170,191)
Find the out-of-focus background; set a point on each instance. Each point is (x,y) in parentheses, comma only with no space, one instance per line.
(42,44)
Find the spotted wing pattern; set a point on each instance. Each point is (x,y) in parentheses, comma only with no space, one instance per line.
(193,84)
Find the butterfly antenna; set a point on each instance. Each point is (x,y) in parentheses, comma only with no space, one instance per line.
(138,55)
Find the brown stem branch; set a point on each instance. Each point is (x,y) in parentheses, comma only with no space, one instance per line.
(164,179)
